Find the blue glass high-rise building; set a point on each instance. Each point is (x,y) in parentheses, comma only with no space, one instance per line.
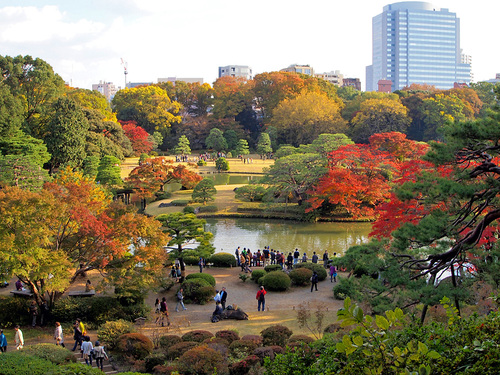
(413,42)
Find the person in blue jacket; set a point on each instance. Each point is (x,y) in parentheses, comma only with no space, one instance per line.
(3,342)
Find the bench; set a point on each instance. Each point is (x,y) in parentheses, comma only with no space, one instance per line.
(22,293)
(90,293)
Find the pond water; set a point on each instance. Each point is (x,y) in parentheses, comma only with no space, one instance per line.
(286,235)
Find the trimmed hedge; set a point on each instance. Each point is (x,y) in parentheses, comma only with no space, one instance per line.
(205,276)
(223,260)
(320,270)
(272,267)
(257,274)
(301,276)
(180,202)
(276,335)
(188,210)
(207,209)
(197,290)
(198,335)
(276,281)
(191,260)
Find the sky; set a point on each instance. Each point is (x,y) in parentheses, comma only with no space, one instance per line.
(85,41)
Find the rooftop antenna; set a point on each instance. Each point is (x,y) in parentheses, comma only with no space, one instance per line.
(125,71)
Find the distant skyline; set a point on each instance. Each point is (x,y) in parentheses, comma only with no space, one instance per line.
(84,40)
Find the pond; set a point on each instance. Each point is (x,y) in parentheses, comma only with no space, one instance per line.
(286,235)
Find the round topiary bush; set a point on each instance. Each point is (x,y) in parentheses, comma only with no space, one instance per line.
(216,341)
(188,210)
(201,163)
(242,346)
(205,276)
(276,335)
(277,281)
(300,276)
(202,360)
(257,274)
(169,340)
(228,335)
(136,345)
(273,267)
(153,360)
(109,332)
(197,291)
(320,270)
(255,338)
(301,338)
(176,350)
(197,335)
(223,260)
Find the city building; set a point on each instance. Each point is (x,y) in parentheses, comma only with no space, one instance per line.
(295,68)
(334,77)
(131,85)
(353,82)
(494,80)
(107,89)
(236,71)
(175,79)
(384,85)
(414,42)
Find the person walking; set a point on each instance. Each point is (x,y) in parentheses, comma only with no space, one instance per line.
(77,335)
(314,281)
(100,354)
(164,312)
(200,264)
(223,297)
(86,351)
(18,338)
(3,342)
(180,301)
(237,254)
(333,273)
(261,299)
(325,259)
(58,335)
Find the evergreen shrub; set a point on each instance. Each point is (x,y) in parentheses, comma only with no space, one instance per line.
(243,346)
(180,202)
(257,274)
(188,210)
(201,163)
(223,260)
(300,276)
(273,267)
(53,353)
(153,360)
(228,335)
(202,360)
(205,276)
(109,332)
(301,338)
(169,340)
(320,270)
(197,291)
(135,344)
(212,208)
(161,195)
(198,335)
(13,311)
(191,260)
(276,335)
(255,338)
(244,366)
(176,350)
(18,363)
(276,281)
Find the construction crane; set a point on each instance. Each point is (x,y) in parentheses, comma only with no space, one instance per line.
(125,71)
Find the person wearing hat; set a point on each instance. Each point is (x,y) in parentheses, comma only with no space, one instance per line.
(99,354)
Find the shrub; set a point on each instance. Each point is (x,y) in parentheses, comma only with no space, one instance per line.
(244,366)
(223,260)
(13,311)
(222,164)
(275,335)
(201,163)
(191,260)
(176,350)
(153,360)
(207,209)
(255,338)
(332,328)
(205,276)
(198,291)
(272,267)
(214,342)
(242,346)
(169,340)
(75,368)
(345,288)
(202,360)
(196,335)
(300,276)
(136,345)
(320,270)
(143,157)
(179,202)
(276,280)
(228,335)
(109,332)
(300,338)
(53,353)
(163,195)
(257,274)
(17,363)
(188,210)
(263,352)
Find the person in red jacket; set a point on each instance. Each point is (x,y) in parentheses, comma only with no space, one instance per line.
(261,298)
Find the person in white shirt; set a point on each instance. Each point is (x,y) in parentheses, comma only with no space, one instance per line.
(58,335)
(18,338)
(86,350)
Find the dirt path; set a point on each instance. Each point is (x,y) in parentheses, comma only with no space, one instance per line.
(280,306)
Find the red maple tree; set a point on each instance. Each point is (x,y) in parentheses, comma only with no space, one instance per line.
(138,137)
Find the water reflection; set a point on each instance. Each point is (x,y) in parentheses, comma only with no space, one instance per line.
(286,235)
